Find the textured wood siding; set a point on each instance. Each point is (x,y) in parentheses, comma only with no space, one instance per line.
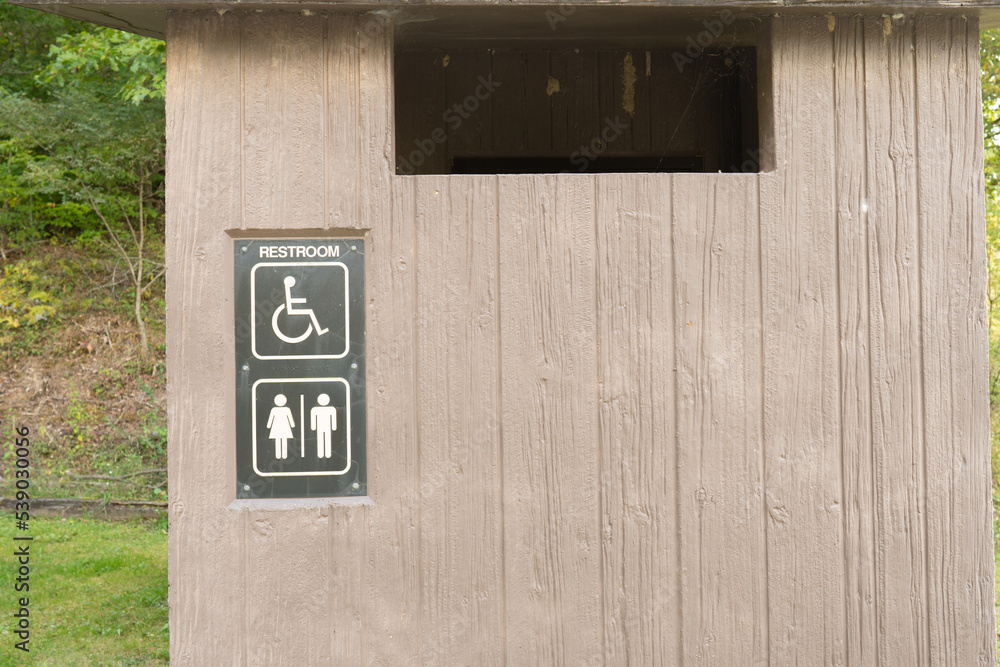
(715,419)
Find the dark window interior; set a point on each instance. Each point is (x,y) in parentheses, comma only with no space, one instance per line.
(581,163)
(596,109)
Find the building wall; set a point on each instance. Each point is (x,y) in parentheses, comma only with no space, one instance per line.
(613,419)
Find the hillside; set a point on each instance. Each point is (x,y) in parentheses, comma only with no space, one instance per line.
(71,370)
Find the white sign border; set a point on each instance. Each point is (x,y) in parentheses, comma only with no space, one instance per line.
(347,312)
(253,419)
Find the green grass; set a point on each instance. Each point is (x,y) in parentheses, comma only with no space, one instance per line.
(98,593)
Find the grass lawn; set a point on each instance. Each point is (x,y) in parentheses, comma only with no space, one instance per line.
(98,593)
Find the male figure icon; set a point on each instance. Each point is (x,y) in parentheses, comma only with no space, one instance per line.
(323,420)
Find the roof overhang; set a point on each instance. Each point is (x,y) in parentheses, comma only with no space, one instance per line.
(148,17)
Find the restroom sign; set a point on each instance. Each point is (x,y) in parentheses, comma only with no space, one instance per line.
(300,368)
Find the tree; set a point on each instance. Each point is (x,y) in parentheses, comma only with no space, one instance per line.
(83,148)
(990,68)
(99,55)
(25,37)
(990,57)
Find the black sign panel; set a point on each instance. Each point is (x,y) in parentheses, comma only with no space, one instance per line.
(300,368)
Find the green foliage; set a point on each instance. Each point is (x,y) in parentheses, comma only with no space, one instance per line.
(993,290)
(25,37)
(81,130)
(990,63)
(23,304)
(109,419)
(65,167)
(81,162)
(45,285)
(95,56)
(990,58)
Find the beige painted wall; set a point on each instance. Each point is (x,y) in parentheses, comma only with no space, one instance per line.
(718,419)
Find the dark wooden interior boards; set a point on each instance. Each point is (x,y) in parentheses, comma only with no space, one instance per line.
(543,110)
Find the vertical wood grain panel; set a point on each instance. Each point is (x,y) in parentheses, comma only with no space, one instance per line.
(509,104)
(676,131)
(203,130)
(470,121)
(345,36)
(458,420)
(719,429)
(308,621)
(560,103)
(392,619)
(610,101)
(393,625)
(894,320)
(288,619)
(346,554)
(340,122)
(954,334)
(284,102)
(806,585)
(704,76)
(550,447)
(640,550)
(581,88)
(855,371)
(421,119)
(641,116)
(285,109)
(537,96)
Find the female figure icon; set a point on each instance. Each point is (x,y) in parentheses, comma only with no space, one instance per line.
(281,422)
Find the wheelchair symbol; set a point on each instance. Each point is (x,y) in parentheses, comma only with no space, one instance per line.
(290,308)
